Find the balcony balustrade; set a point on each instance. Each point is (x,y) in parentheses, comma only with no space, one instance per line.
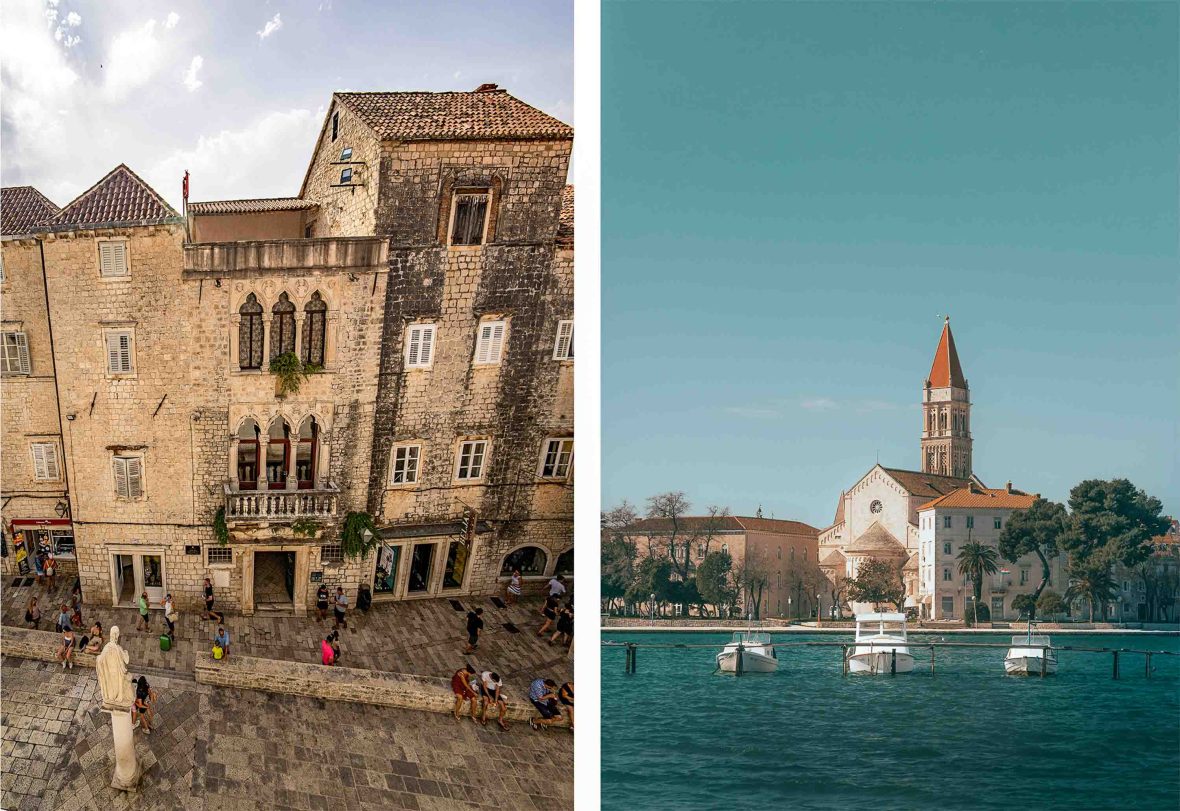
(280,505)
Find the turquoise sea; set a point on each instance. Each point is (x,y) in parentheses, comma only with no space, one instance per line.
(675,735)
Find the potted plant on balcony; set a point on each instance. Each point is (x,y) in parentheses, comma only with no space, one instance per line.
(290,372)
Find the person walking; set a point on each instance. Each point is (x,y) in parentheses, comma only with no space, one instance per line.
(221,640)
(143,612)
(63,619)
(556,586)
(492,690)
(141,711)
(76,605)
(39,567)
(66,652)
(462,687)
(327,652)
(474,627)
(543,694)
(208,599)
(565,626)
(512,592)
(565,694)
(51,571)
(549,612)
(171,615)
(334,639)
(341,607)
(364,598)
(33,613)
(321,600)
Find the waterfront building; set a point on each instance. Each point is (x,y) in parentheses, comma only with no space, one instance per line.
(1150,592)
(424,274)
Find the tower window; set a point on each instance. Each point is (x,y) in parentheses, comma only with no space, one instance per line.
(335,124)
(946,522)
(346,175)
(346,153)
(469,214)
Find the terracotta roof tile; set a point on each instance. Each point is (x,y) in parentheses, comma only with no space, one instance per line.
(926,484)
(983,498)
(250,206)
(729,523)
(565,228)
(120,198)
(22,208)
(946,371)
(479,115)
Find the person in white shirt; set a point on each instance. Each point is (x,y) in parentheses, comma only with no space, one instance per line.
(556,586)
(492,690)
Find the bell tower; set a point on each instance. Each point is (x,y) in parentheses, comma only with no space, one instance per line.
(946,413)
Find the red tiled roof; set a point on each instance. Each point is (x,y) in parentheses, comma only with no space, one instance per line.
(479,115)
(1171,536)
(565,228)
(926,484)
(728,523)
(22,208)
(946,371)
(983,498)
(255,206)
(121,198)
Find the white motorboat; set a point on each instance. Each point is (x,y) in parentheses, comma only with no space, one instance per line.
(881,645)
(1030,655)
(757,655)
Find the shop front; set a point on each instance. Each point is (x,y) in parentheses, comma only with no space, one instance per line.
(54,536)
(424,561)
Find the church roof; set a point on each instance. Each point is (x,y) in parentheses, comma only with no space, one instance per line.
(930,485)
(984,498)
(911,564)
(833,558)
(877,540)
(120,198)
(946,371)
(839,510)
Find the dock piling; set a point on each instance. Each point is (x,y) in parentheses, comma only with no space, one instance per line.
(893,663)
(1116,664)
(1044,658)
(932,660)
(1147,664)
(741,665)
(844,660)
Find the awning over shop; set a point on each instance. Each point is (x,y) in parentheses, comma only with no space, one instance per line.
(40,523)
(429,530)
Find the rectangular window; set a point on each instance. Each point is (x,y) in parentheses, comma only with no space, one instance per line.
(555,462)
(331,553)
(405,464)
(1023,576)
(128,476)
(346,153)
(219,556)
(490,346)
(62,543)
(346,175)
(971,522)
(948,606)
(419,346)
(946,522)
(45,467)
(469,214)
(946,548)
(998,523)
(112,258)
(946,575)
(335,124)
(119,354)
(563,348)
(471,459)
(15,354)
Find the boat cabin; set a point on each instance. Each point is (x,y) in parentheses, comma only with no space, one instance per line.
(750,638)
(869,626)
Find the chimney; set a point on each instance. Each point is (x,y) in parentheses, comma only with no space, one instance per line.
(489,87)
(1008,486)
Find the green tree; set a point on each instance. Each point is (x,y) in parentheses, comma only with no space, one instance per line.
(975,561)
(672,532)
(1091,579)
(618,553)
(1024,604)
(652,576)
(713,579)
(1040,530)
(1050,603)
(878,581)
(1113,519)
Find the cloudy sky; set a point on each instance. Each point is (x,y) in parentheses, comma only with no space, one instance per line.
(235,92)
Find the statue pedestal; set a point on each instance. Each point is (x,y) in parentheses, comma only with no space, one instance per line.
(127,771)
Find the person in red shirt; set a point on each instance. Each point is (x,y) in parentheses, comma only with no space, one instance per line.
(461,687)
(327,652)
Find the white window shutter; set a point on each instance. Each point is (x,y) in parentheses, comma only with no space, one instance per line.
(22,350)
(106,259)
(39,466)
(415,346)
(121,477)
(485,341)
(563,349)
(427,345)
(113,352)
(125,351)
(119,352)
(134,477)
(497,343)
(49,456)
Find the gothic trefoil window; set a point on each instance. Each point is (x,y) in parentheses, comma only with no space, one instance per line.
(314,327)
(468,217)
(250,334)
(282,327)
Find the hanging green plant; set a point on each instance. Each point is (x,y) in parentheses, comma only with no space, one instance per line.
(305,527)
(290,372)
(220,528)
(354,541)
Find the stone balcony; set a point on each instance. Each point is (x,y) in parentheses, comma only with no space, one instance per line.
(360,254)
(259,506)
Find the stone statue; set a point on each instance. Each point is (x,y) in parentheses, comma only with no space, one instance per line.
(111,665)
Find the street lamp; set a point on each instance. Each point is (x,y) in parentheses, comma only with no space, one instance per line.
(818,610)
(651,609)
(788,610)
(974,615)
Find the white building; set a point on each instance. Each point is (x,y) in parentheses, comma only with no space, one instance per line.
(978,514)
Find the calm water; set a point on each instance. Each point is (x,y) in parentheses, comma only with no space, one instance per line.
(675,735)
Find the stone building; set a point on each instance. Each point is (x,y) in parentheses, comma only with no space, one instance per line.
(424,279)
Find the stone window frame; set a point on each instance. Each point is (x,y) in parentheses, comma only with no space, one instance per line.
(452,186)
(419,459)
(546,447)
(565,332)
(545,572)
(490,322)
(210,563)
(129,458)
(331,326)
(484,460)
(114,329)
(331,554)
(100,243)
(21,347)
(424,328)
(57,466)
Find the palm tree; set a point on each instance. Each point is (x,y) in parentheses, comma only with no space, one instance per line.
(1092,581)
(976,560)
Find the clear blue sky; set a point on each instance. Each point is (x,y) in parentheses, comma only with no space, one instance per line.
(236,92)
(793,193)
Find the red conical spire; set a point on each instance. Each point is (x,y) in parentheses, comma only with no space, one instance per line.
(946,371)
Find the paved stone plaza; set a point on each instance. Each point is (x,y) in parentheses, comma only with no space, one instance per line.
(219,749)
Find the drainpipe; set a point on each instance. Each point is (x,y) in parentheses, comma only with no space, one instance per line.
(65,468)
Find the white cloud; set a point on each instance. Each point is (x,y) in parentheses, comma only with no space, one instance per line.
(820,404)
(272,25)
(74,19)
(190,76)
(265,159)
(133,59)
(172,20)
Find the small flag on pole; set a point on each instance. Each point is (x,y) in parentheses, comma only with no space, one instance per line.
(184,188)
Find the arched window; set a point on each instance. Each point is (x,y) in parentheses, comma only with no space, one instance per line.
(250,334)
(530,560)
(565,563)
(248,454)
(307,453)
(278,449)
(315,322)
(282,327)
